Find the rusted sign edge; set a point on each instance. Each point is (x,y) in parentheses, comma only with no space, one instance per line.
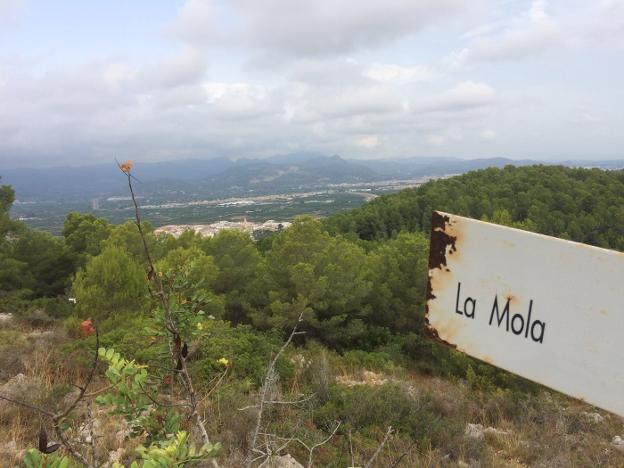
(440,241)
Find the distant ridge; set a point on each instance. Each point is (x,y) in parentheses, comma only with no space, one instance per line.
(224,176)
(426,166)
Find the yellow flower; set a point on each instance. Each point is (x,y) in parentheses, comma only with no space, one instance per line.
(200,326)
(224,361)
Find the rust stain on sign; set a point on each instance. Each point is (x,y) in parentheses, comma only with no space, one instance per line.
(441,245)
(547,309)
(440,241)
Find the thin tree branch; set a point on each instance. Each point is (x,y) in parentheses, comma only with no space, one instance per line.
(73,452)
(280,402)
(83,389)
(57,418)
(158,403)
(215,386)
(91,433)
(101,390)
(315,446)
(404,454)
(185,378)
(380,448)
(268,381)
(351,449)
(27,405)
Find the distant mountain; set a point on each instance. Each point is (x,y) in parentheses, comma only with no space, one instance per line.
(294,158)
(614,164)
(91,181)
(429,166)
(193,176)
(203,178)
(283,173)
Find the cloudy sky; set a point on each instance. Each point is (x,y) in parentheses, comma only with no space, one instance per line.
(83,81)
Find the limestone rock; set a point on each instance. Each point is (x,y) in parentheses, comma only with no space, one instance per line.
(283,461)
(618,443)
(474,431)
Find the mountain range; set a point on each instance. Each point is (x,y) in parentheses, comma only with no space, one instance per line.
(227,177)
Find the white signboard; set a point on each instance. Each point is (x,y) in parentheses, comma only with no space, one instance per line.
(547,309)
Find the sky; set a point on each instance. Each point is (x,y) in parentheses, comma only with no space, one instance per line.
(83,82)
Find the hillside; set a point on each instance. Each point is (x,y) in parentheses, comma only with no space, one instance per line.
(307,344)
(577,204)
(218,177)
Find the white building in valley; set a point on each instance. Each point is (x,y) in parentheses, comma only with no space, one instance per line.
(209,230)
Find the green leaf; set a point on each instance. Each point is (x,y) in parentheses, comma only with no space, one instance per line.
(32,459)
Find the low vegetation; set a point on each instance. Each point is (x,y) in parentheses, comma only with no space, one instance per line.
(357,383)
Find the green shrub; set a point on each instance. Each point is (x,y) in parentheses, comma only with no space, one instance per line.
(247,351)
(363,408)
(377,361)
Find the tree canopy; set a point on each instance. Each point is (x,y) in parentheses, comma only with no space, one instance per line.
(577,204)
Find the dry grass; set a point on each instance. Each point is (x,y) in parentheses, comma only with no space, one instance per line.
(519,430)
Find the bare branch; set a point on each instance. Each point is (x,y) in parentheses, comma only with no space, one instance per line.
(315,446)
(351,449)
(380,448)
(27,405)
(170,325)
(91,433)
(97,392)
(404,454)
(83,389)
(281,402)
(57,418)
(268,381)
(158,403)
(73,452)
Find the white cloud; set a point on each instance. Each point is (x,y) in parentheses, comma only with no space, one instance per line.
(283,28)
(531,35)
(488,134)
(368,141)
(240,100)
(464,96)
(603,25)
(349,77)
(396,74)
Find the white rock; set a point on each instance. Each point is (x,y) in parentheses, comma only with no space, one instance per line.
(494,431)
(474,431)
(593,417)
(5,316)
(284,461)
(618,443)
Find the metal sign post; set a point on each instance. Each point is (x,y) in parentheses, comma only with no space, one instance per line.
(547,309)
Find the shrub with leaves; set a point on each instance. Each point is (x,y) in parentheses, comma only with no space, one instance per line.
(35,459)
(135,397)
(176,451)
(130,398)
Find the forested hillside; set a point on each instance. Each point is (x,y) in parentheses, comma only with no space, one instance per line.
(578,204)
(358,364)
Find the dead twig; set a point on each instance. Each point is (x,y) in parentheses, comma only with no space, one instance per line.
(281,402)
(58,418)
(323,442)
(404,454)
(269,379)
(380,447)
(177,358)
